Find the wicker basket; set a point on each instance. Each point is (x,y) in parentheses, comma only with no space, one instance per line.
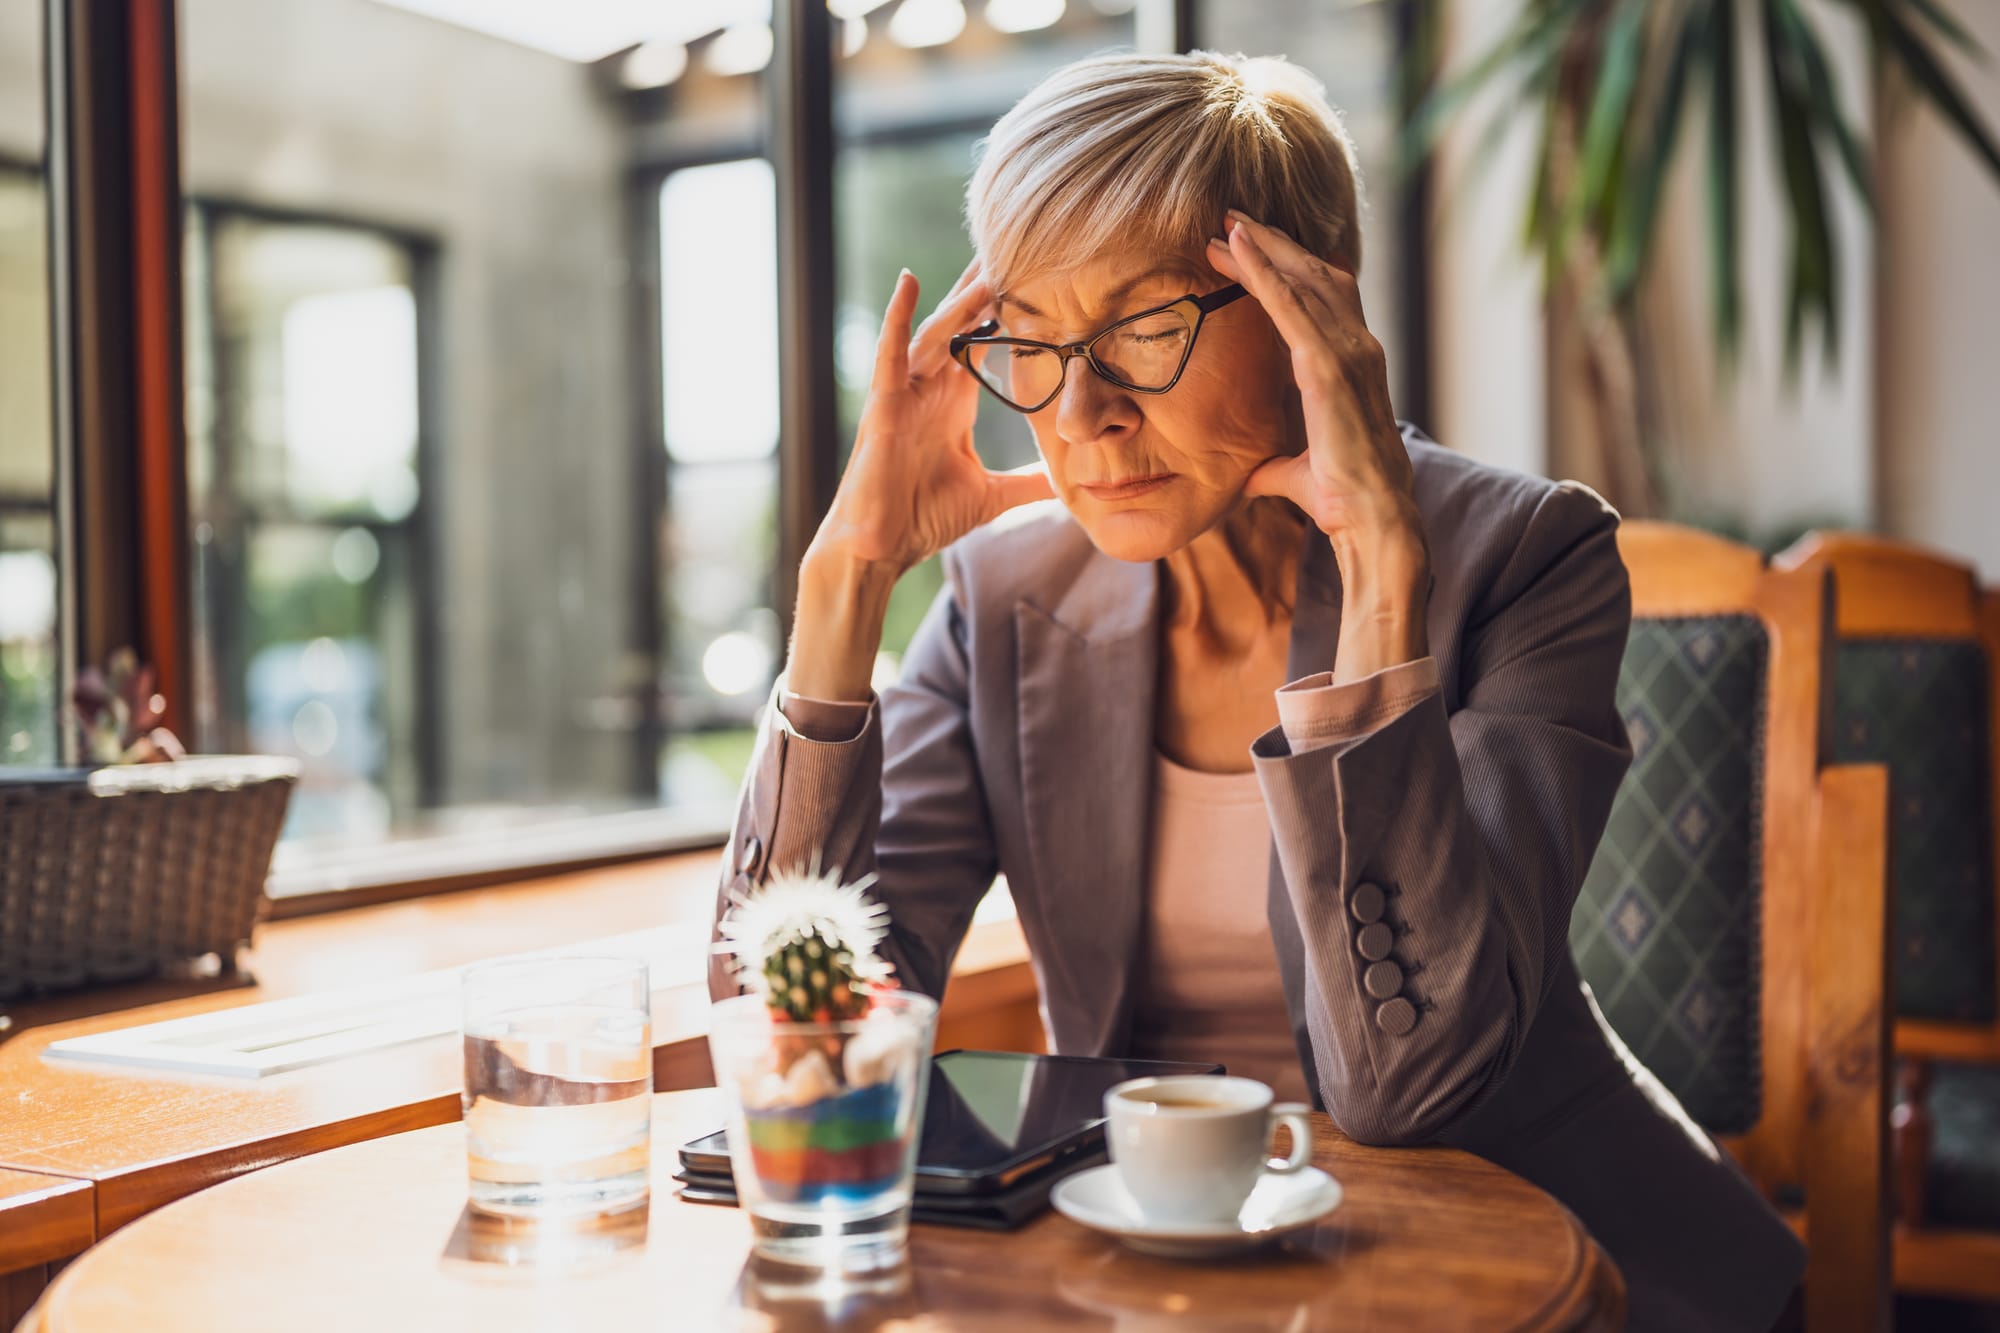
(111,874)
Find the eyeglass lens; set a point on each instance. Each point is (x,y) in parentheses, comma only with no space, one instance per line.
(1145,353)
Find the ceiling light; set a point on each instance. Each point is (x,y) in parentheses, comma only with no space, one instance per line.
(653,65)
(853,9)
(926,22)
(589,30)
(1023,15)
(853,36)
(743,49)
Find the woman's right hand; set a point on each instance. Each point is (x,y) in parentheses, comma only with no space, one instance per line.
(913,486)
(914,483)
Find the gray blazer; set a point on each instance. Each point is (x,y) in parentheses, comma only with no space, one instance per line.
(1020,740)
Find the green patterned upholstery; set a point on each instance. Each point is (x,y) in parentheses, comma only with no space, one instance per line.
(1963,1182)
(1666,928)
(1920,706)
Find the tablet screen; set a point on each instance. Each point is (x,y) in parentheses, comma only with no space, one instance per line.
(991,1110)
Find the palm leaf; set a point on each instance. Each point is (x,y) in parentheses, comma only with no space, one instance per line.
(1530,43)
(1724,276)
(1636,219)
(1485,150)
(1811,55)
(1931,79)
(1942,19)
(1601,151)
(1536,227)
(1814,290)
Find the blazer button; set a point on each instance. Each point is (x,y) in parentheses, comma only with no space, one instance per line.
(751,856)
(1382,980)
(1366,902)
(1375,941)
(1396,1017)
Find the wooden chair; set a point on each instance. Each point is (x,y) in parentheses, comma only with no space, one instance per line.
(1918,687)
(1734,924)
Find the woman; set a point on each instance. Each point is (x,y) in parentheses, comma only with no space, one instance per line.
(1262,615)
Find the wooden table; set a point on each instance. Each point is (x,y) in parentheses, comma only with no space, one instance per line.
(132,1140)
(42,1218)
(375,1236)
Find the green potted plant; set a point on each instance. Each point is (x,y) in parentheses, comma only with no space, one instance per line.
(1615,88)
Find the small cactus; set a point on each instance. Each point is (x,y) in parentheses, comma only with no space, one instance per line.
(807,944)
(811,979)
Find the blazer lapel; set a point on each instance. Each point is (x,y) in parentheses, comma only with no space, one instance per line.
(1315,636)
(1087,673)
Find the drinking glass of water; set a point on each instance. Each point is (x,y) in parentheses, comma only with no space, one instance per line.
(558,1084)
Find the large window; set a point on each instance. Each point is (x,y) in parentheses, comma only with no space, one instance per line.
(28,674)
(414,399)
(719,406)
(303,443)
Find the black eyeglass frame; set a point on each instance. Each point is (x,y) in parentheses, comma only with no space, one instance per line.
(1197,310)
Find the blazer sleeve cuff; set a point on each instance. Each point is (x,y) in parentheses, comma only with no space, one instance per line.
(830,721)
(1313,712)
(799,788)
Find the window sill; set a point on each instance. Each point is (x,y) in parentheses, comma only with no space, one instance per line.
(305,881)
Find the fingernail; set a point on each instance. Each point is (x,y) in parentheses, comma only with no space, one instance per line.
(1239,215)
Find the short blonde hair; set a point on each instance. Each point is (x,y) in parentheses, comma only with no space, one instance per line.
(1146,152)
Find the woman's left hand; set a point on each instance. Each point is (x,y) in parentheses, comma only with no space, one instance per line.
(1354,478)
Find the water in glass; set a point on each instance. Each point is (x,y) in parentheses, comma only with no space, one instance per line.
(558,1089)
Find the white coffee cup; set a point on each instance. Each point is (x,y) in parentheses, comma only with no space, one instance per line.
(1190,1148)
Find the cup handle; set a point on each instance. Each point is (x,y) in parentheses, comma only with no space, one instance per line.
(1292,1115)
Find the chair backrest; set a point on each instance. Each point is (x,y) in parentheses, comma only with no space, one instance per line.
(1733,925)
(1917,675)
(1687,927)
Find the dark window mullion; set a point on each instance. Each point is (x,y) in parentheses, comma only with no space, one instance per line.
(799,89)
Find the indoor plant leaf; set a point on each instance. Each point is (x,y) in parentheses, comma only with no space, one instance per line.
(1930,78)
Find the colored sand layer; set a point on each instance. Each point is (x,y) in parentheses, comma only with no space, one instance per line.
(837,1148)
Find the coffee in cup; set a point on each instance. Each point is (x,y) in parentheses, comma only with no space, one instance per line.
(1190,1148)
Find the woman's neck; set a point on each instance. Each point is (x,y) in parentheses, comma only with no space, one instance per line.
(1230,585)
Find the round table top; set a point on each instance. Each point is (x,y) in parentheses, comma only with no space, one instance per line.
(376,1236)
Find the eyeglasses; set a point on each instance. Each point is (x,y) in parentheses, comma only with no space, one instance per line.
(1145,353)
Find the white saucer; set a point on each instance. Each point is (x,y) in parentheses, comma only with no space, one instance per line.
(1278,1204)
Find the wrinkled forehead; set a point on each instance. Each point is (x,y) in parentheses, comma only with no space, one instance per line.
(1103,289)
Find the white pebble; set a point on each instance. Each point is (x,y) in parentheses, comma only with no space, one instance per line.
(876,1054)
(809,1080)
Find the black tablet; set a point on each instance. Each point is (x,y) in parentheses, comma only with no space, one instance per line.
(995,1117)
(993,1210)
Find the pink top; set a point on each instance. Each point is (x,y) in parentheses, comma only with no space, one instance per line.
(1209,987)
(1208,982)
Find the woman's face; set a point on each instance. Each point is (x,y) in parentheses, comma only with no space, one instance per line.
(1145,474)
